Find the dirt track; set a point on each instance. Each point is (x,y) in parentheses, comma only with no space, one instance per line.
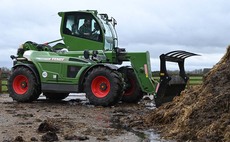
(69,120)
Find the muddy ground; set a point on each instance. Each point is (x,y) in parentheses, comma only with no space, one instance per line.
(68,120)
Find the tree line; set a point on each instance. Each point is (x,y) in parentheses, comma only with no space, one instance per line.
(195,72)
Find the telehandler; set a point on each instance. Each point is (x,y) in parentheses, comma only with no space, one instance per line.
(85,60)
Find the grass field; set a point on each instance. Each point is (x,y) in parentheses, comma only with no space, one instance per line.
(195,80)
(4,87)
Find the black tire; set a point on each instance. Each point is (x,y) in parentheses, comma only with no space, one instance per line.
(132,92)
(55,96)
(23,85)
(103,87)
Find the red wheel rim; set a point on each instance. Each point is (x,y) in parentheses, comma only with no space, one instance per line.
(100,86)
(20,84)
(130,90)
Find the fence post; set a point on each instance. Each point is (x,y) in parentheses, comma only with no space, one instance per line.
(0,80)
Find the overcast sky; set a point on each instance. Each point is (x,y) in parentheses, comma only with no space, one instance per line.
(157,26)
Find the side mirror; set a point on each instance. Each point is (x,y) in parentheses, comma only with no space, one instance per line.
(113,21)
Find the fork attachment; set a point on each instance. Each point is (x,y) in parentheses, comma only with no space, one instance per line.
(171,86)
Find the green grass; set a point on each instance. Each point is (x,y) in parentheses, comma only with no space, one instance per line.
(195,80)
(196,77)
(4,87)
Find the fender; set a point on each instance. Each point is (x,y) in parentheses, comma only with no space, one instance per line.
(31,67)
(110,66)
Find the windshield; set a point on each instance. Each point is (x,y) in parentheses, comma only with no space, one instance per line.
(110,34)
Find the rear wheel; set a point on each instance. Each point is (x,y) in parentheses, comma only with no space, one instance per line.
(133,93)
(55,96)
(23,85)
(103,86)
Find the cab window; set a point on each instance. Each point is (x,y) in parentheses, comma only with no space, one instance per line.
(83,26)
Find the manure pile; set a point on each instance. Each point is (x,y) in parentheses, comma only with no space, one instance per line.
(201,113)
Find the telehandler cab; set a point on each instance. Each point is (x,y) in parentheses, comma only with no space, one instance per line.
(86,62)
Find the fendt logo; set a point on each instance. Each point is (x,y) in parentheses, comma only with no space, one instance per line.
(56,59)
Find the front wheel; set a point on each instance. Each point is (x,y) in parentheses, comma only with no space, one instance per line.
(103,86)
(133,93)
(23,85)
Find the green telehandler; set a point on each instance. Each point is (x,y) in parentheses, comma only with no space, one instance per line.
(85,60)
